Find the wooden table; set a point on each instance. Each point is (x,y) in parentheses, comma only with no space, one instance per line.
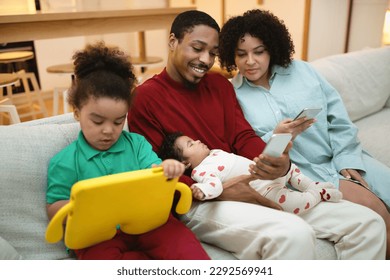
(17,56)
(45,25)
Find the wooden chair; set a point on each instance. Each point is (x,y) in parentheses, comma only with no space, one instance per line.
(68,69)
(6,106)
(7,80)
(29,103)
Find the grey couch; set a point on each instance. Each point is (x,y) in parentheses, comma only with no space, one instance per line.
(363,79)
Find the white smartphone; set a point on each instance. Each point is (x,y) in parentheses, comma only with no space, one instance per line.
(277,144)
(309,113)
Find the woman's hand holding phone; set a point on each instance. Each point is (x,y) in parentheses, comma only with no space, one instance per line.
(294,127)
(308,113)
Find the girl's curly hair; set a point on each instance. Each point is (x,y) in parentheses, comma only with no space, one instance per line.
(262,25)
(101,71)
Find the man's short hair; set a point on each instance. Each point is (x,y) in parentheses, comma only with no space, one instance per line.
(186,21)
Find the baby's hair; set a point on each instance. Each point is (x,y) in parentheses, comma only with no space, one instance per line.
(101,71)
(168,150)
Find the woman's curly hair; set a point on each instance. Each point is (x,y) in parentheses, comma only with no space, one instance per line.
(262,25)
(101,71)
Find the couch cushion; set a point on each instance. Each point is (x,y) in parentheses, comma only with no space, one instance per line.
(25,153)
(361,78)
(7,252)
(58,119)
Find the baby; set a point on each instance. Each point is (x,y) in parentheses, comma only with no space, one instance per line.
(211,168)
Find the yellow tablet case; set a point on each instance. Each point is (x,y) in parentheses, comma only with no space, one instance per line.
(138,201)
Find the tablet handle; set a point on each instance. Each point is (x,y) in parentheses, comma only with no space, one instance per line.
(184,204)
(55,229)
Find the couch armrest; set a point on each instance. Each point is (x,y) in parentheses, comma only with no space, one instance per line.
(387,104)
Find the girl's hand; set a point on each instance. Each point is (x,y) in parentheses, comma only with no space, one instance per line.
(172,168)
(294,127)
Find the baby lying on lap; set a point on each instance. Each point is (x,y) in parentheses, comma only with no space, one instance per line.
(211,168)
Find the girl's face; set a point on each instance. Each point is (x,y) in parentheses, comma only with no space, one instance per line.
(194,151)
(252,59)
(101,120)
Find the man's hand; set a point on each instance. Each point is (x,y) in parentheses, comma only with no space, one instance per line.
(270,168)
(238,189)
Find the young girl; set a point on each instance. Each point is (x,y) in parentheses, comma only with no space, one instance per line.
(211,168)
(100,96)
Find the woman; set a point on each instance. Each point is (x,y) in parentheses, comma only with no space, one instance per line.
(272,89)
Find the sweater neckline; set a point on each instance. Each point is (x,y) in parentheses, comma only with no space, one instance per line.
(177,85)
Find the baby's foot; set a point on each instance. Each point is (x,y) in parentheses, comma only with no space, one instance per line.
(332,195)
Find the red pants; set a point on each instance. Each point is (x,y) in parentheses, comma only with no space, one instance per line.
(172,241)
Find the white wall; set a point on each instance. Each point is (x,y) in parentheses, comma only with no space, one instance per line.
(327,33)
(290,11)
(328,26)
(367,23)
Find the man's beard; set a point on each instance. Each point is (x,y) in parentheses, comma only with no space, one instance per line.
(190,85)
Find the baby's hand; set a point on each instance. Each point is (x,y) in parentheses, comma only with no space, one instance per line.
(197,193)
(172,168)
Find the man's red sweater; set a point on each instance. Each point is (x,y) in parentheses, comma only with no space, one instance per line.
(209,112)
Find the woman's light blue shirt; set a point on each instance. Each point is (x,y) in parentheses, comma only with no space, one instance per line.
(324,149)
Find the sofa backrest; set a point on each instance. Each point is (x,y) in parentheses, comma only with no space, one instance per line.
(25,152)
(362,78)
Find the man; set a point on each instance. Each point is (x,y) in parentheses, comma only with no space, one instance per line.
(184,97)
